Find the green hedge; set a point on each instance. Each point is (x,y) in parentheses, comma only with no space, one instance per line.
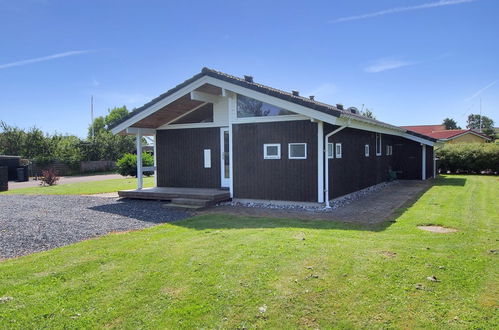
(469,157)
(127,165)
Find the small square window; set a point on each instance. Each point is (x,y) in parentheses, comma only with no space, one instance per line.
(297,151)
(389,150)
(366,150)
(330,148)
(272,151)
(338,150)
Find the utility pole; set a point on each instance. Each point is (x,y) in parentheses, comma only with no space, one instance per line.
(480,115)
(92,115)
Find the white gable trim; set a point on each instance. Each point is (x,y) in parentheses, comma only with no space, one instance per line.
(160,104)
(464,133)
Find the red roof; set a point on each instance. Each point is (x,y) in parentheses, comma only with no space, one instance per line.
(439,131)
(425,129)
(449,134)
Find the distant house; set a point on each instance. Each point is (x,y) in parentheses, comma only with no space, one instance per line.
(256,142)
(449,136)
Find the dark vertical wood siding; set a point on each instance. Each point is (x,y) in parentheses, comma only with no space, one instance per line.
(407,155)
(274,179)
(355,171)
(180,157)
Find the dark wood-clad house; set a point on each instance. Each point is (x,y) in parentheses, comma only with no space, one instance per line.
(218,131)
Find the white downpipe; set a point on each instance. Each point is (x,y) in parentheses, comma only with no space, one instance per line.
(423,162)
(139,159)
(155,159)
(326,176)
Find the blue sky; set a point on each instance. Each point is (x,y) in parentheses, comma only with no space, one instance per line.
(411,62)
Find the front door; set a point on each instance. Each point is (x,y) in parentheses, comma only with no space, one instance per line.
(225,161)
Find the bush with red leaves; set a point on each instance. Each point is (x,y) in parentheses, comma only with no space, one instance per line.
(49,177)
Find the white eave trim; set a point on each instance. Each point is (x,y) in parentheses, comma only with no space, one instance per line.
(378,127)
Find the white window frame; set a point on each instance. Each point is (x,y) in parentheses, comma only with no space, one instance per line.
(207,158)
(380,150)
(336,153)
(330,152)
(389,150)
(266,156)
(296,144)
(366,150)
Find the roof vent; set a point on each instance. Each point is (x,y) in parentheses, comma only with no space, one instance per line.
(248,78)
(312,97)
(295,93)
(353,110)
(339,106)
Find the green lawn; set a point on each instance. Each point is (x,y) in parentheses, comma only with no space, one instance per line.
(216,271)
(82,188)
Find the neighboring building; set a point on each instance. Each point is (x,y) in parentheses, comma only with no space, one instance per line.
(449,136)
(219,131)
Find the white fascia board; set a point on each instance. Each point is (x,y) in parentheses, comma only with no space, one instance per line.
(299,109)
(205,97)
(193,125)
(160,104)
(418,139)
(143,131)
(266,119)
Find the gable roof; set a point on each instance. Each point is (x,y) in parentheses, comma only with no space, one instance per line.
(286,96)
(425,129)
(454,133)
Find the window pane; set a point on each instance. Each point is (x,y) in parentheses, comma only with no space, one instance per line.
(248,107)
(330,150)
(297,151)
(272,151)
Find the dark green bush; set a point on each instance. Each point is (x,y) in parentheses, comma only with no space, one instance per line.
(469,158)
(127,165)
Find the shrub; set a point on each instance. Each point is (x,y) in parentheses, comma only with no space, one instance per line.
(127,165)
(49,177)
(469,158)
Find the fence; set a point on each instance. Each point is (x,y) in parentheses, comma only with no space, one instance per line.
(63,169)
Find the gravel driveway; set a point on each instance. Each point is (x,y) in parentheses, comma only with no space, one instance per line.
(36,223)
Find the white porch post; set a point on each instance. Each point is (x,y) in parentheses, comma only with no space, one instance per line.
(320,162)
(434,164)
(423,162)
(139,159)
(155,160)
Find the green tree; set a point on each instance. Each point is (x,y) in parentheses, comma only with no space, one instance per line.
(486,124)
(97,127)
(115,115)
(368,113)
(11,139)
(450,124)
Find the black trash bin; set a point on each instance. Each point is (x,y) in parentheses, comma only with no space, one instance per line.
(22,174)
(4,178)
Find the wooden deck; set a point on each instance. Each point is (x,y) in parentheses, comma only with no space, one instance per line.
(171,193)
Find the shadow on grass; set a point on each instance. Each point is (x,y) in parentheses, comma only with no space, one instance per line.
(147,211)
(449,181)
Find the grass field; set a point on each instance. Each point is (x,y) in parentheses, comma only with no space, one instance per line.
(82,188)
(218,271)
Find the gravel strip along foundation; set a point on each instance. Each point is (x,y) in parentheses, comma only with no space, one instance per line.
(36,223)
(335,203)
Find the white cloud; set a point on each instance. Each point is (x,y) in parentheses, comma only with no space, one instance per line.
(481,90)
(385,64)
(440,3)
(44,58)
